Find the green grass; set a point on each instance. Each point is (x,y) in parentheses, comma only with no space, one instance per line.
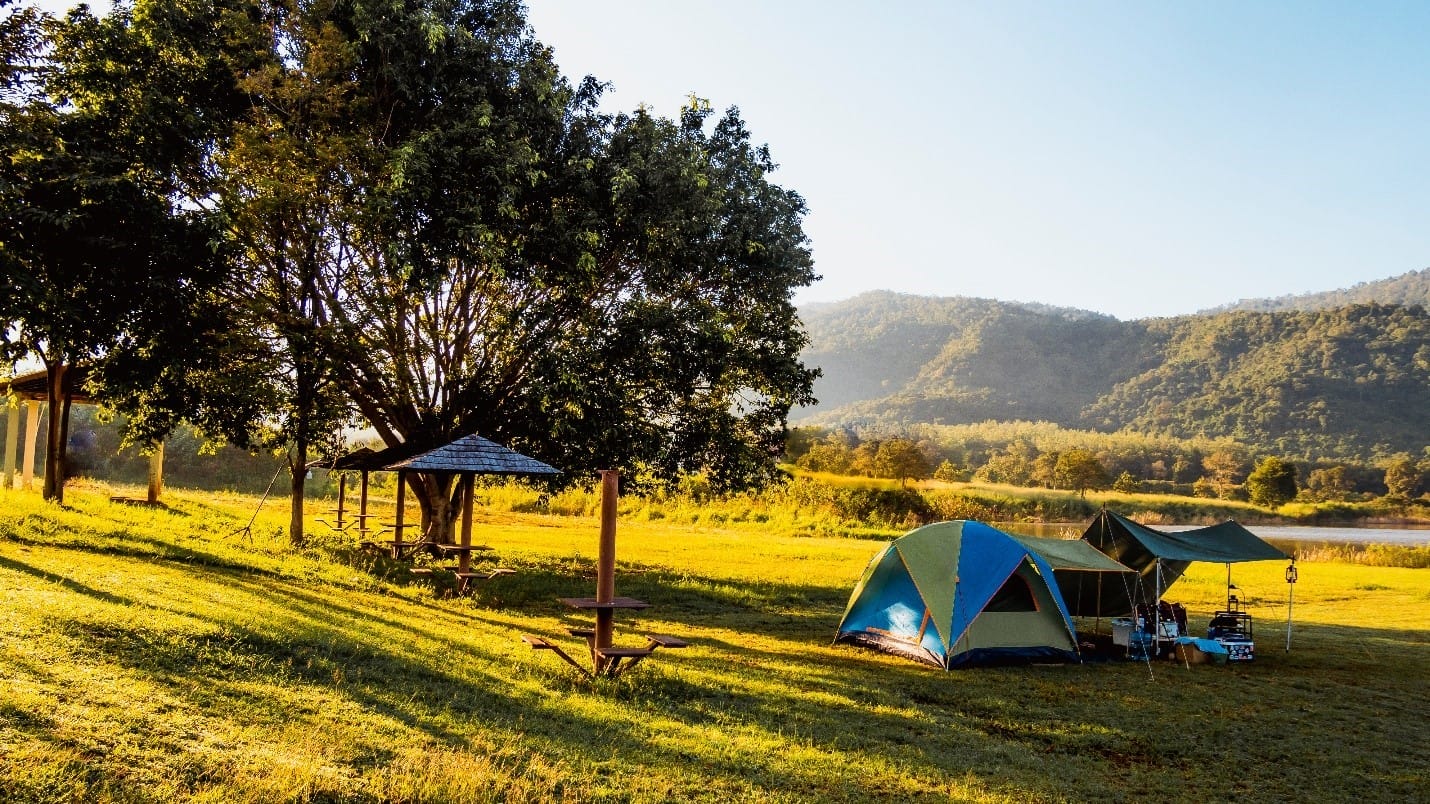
(155,655)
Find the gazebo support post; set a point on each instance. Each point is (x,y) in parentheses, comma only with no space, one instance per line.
(464,559)
(362,507)
(606,564)
(342,493)
(12,442)
(397,523)
(32,434)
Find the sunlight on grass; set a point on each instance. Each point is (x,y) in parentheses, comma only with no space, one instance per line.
(160,650)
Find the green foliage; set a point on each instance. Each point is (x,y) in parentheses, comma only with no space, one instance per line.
(1079,470)
(900,459)
(593,290)
(1272,483)
(1125,483)
(949,473)
(827,456)
(101,261)
(1404,477)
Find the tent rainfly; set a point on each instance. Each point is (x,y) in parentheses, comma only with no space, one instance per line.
(957,594)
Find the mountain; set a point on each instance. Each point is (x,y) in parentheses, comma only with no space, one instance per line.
(1406,289)
(1347,382)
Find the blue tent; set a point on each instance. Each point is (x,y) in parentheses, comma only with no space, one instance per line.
(958,594)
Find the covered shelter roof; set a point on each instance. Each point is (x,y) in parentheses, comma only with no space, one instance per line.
(473,455)
(366,459)
(34,385)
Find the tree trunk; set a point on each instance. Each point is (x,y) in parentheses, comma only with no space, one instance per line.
(298,467)
(435,494)
(54,488)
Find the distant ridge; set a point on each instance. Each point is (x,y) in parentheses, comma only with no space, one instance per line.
(1306,377)
(1408,288)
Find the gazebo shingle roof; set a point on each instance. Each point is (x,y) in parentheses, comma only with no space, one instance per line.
(474,455)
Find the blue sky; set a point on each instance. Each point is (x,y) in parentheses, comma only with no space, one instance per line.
(1138,159)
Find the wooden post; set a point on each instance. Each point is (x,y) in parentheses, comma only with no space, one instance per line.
(606,562)
(32,434)
(362,506)
(156,473)
(464,560)
(397,524)
(12,441)
(342,492)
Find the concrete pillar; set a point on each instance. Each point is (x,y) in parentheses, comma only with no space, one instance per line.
(12,441)
(32,434)
(156,473)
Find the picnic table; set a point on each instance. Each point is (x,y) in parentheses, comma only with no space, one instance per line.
(606,659)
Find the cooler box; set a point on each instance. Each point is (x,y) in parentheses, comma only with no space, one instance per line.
(1238,650)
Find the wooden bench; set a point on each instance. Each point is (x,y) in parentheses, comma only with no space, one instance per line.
(464,579)
(666,641)
(542,643)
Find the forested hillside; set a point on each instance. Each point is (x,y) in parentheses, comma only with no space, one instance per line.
(1350,382)
(1406,289)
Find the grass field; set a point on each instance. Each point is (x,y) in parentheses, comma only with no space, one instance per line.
(155,655)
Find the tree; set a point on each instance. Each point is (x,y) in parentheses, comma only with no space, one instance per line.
(1044,469)
(1225,467)
(1125,483)
(1329,483)
(1272,483)
(96,255)
(901,459)
(1009,467)
(1402,477)
(829,456)
(439,226)
(949,472)
(1079,469)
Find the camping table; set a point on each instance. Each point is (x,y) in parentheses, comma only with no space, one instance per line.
(604,657)
(606,660)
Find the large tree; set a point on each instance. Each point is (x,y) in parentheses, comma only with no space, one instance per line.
(113,250)
(444,228)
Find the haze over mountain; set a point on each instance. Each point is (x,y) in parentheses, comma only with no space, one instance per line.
(1342,374)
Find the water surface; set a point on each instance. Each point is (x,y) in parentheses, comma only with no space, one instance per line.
(1289,533)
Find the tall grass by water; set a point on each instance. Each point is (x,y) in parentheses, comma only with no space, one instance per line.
(164,654)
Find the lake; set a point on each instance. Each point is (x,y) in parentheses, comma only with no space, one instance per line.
(1290,533)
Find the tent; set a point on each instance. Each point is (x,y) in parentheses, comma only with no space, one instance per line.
(961,593)
(1158,557)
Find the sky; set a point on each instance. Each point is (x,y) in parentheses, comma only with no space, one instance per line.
(1136,159)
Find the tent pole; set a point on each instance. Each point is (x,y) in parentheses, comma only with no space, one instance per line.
(1157,612)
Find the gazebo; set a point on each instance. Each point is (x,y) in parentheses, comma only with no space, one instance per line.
(465,458)
(33,390)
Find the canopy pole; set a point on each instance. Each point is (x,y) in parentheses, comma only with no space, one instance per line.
(1157,611)
(1290,595)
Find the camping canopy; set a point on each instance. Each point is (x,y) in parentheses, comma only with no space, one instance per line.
(959,593)
(1070,554)
(1148,551)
